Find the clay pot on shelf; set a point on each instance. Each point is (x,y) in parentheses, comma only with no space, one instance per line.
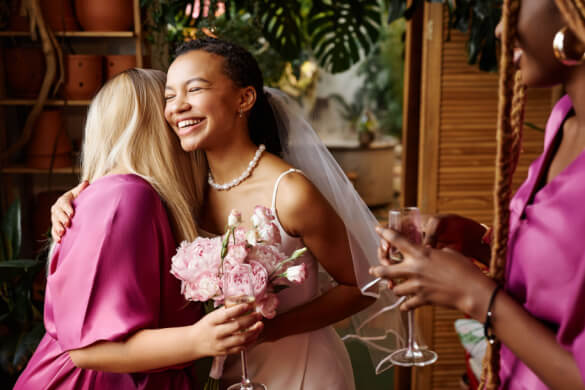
(49,138)
(104,15)
(115,64)
(83,76)
(25,70)
(59,15)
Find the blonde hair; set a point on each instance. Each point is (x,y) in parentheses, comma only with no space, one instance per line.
(126,129)
(512,100)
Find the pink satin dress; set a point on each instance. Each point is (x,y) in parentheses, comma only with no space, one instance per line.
(546,256)
(315,360)
(108,278)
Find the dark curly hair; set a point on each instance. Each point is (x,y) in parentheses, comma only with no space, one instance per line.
(242,68)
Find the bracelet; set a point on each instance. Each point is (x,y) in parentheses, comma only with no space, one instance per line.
(487,325)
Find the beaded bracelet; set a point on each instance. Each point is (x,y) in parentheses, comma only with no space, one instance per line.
(487,325)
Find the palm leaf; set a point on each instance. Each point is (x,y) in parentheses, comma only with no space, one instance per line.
(336,27)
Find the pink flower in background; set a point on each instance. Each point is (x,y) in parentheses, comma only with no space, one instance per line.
(267,305)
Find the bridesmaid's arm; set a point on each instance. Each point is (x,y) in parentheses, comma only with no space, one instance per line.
(305,213)
(220,332)
(434,277)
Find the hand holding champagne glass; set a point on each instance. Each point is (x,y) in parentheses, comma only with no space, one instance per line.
(238,288)
(407,221)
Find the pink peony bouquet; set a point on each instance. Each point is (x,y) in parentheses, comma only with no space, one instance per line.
(206,263)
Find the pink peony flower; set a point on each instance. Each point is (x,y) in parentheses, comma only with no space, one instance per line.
(259,279)
(238,282)
(267,306)
(267,255)
(204,287)
(195,257)
(237,253)
(269,234)
(262,215)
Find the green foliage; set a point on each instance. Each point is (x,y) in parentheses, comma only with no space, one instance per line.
(340,32)
(476,17)
(383,72)
(21,319)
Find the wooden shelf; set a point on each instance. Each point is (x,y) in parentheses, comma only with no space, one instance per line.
(22,169)
(50,102)
(75,34)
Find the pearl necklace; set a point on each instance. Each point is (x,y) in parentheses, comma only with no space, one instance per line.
(242,177)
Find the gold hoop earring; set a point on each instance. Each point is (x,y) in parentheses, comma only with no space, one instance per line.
(559,50)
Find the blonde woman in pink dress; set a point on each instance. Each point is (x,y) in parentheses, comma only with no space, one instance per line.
(114,315)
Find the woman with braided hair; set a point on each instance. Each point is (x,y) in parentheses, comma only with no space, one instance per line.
(532,303)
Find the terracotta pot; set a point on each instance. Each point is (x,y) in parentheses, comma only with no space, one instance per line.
(25,71)
(17,22)
(104,15)
(83,76)
(59,15)
(48,137)
(115,64)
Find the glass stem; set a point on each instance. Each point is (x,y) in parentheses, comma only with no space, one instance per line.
(245,379)
(410,331)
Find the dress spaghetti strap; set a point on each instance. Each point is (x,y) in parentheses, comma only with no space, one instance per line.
(283,174)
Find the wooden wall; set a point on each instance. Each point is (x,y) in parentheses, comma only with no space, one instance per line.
(456,163)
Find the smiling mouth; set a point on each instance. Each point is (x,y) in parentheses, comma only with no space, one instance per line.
(188,122)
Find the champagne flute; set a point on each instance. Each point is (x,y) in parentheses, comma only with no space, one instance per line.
(407,221)
(238,288)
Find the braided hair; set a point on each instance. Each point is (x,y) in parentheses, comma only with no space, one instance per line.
(512,98)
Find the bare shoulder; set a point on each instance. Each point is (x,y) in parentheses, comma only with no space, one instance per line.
(299,203)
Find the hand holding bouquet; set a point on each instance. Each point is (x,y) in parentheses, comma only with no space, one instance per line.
(250,262)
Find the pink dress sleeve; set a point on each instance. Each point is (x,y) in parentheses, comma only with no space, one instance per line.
(105,275)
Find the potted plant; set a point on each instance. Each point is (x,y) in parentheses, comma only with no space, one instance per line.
(21,311)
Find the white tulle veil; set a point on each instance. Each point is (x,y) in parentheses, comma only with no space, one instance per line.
(380,326)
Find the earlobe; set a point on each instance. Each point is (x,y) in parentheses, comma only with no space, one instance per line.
(248,99)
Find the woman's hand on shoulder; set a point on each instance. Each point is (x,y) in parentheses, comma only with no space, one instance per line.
(62,211)
(226,330)
(458,233)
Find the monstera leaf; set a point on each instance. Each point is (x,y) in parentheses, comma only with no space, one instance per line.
(343,31)
(281,25)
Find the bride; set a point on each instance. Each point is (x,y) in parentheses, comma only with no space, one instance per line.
(252,143)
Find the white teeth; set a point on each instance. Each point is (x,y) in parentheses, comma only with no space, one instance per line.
(188,122)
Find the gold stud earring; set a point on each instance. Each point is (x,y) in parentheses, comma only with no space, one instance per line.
(559,49)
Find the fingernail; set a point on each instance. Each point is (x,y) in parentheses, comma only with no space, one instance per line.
(379,229)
